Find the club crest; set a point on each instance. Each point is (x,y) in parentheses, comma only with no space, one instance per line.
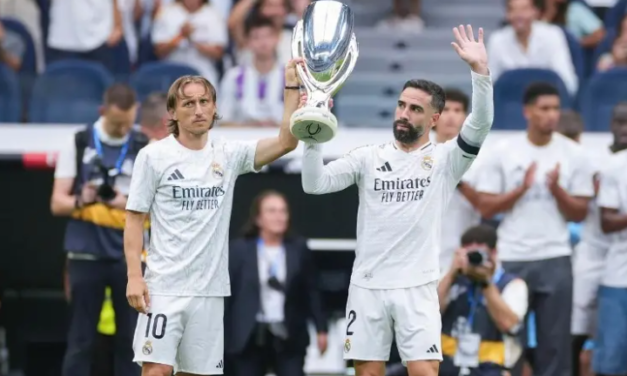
(427,162)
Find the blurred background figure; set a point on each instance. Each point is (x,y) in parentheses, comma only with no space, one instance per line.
(251,94)
(191,32)
(405,17)
(153,116)
(576,17)
(92,179)
(274,294)
(12,48)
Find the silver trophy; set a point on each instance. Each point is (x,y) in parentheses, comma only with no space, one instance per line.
(324,38)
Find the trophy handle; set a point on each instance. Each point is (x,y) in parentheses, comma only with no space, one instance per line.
(351,56)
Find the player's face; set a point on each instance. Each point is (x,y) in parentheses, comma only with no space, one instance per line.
(543,115)
(192,5)
(520,14)
(451,120)
(619,126)
(195,110)
(263,41)
(273,215)
(118,122)
(414,116)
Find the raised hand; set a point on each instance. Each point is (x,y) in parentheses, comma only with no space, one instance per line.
(472,51)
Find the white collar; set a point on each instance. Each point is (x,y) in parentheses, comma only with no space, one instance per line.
(105,138)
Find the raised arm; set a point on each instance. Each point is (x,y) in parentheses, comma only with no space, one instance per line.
(340,174)
(478,123)
(271,149)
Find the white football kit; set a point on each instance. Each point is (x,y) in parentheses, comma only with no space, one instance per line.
(402,199)
(589,259)
(189,194)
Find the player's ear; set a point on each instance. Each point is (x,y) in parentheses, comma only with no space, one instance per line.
(434,119)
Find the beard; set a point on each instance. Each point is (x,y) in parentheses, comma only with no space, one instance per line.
(409,135)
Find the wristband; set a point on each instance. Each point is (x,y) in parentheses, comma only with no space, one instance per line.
(292,87)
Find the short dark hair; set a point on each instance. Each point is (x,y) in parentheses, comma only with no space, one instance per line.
(257,22)
(570,124)
(619,107)
(456,95)
(434,90)
(120,95)
(153,108)
(481,234)
(538,89)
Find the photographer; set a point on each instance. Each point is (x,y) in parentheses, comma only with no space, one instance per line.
(482,307)
(92,179)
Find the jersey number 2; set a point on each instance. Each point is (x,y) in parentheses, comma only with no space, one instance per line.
(158,325)
(352,316)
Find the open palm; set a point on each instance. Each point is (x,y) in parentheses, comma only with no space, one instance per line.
(470,50)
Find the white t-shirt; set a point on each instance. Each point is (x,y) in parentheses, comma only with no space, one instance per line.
(80,25)
(535,229)
(459,217)
(208,27)
(189,194)
(271,262)
(247,96)
(402,197)
(613,195)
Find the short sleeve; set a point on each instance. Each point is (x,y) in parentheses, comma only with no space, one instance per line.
(489,177)
(214,31)
(582,181)
(609,191)
(515,295)
(143,184)
(584,19)
(242,156)
(66,161)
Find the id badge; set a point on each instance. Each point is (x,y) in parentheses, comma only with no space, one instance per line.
(467,354)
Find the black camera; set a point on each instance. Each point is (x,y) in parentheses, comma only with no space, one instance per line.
(477,257)
(101,174)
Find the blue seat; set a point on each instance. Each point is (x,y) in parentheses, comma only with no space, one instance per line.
(10,96)
(121,68)
(158,76)
(508,95)
(576,55)
(603,91)
(29,60)
(69,91)
(614,15)
(146,52)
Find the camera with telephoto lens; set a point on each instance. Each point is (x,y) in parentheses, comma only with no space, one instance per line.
(100,173)
(477,257)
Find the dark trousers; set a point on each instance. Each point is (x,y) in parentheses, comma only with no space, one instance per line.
(550,285)
(102,54)
(88,280)
(274,354)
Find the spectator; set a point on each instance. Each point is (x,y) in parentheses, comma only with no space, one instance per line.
(92,179)
(273,294)
(191,32)
(570,125)
(617,57)
(245,10)
(84,29)
(461,212)
(154,116)
(298,8)
(539,175)
(577,18)
(483,307)
(405,17)
(28,13)
(252,94)
(130,13)
(527,43)
(610,346)
(600,7)
(12,48)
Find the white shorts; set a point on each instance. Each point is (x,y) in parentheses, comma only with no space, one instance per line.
(411,316)
(185,332)
(587,275)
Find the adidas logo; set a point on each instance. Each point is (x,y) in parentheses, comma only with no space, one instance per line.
(220,365)
(176,175)
(433,350)
(385,168)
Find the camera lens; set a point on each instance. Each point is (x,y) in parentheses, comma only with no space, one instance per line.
(475,258)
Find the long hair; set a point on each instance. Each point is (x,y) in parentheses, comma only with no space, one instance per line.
(176,92)
(250,228)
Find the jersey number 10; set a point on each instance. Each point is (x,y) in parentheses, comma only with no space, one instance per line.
(158,325)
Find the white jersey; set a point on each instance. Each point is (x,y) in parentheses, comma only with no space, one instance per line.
(189,194)
(402,197)
(535,229)
(613,195)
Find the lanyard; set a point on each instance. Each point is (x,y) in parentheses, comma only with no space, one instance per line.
(473,300)
(262,86)
(274,264)
(123,152)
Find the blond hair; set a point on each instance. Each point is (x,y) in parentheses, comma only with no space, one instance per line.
(176,92)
